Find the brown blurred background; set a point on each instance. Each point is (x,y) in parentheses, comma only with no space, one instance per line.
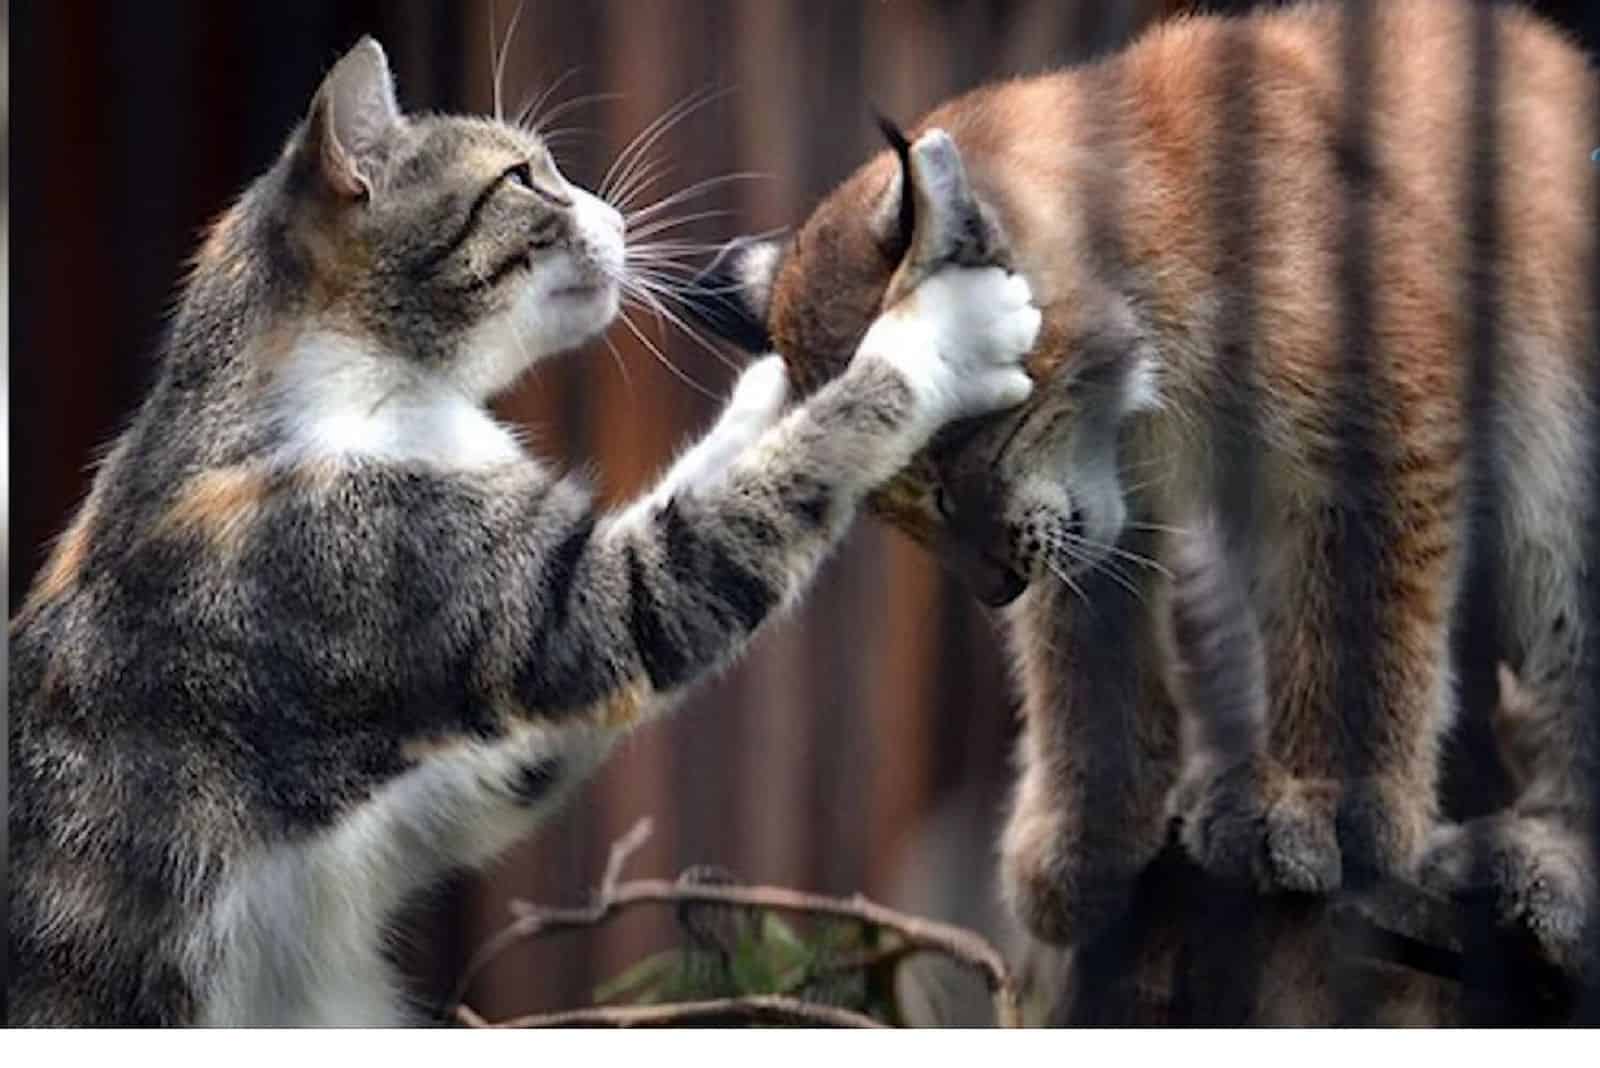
(864,745)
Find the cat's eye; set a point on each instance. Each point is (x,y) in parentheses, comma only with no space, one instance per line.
(520,174)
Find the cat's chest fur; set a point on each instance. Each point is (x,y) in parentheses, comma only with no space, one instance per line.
(296,935)
(333,401)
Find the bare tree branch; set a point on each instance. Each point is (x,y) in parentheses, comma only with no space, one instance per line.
(614,897)
(764,1008)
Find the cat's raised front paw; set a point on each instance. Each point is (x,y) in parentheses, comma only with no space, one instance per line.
(757,403)
(758,400)
(959,338)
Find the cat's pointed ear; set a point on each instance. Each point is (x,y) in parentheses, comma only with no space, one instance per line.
(352,119)
(733,295)
(948,223)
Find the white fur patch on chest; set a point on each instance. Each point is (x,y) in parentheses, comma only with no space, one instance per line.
(336,400)
(296,935)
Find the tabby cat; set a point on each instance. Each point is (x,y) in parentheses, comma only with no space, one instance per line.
(1272,275)
(323,632)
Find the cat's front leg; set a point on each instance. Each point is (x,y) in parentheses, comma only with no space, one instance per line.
(624,612)
(758,401)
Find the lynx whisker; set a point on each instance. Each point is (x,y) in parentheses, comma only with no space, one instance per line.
(1067,580)
(1118,551)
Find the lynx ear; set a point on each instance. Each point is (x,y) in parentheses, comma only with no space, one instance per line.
(895,221)
(733,295)
(948,223)
(352,118)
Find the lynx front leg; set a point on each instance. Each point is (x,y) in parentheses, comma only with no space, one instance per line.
(1239,813)
(1097,758)
(1359,674)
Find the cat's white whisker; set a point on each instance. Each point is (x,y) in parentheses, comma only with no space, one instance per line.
(693,190)
(671,367)
(642,141)
(662,310)
(646,177)
(664,225)
(499,54)
(528,116)
(566,107)
(622,365)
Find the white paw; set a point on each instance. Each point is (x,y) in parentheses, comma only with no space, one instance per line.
(960,338)
(757,402)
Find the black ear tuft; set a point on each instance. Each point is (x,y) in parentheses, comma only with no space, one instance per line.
(902,148)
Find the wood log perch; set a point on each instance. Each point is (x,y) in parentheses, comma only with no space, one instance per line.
(1214,935)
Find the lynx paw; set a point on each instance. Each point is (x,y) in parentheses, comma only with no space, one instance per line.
(1382,828)
(1254,824)
(1059,895)
(1539,873)
(959,338)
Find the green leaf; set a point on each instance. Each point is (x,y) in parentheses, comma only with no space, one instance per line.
(648,972)
(775,930)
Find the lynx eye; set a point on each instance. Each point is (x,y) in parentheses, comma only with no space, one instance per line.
(944,502)
(520,174)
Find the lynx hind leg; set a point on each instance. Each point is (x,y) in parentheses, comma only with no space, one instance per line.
(1540,874)
(1536,859)
(1239,814)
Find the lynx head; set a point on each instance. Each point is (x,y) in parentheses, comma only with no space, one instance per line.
(1003,499)
(452,244)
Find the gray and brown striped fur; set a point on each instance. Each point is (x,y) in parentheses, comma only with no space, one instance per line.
(323,632)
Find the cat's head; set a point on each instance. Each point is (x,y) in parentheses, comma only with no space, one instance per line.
(450,241)
(1004,499)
